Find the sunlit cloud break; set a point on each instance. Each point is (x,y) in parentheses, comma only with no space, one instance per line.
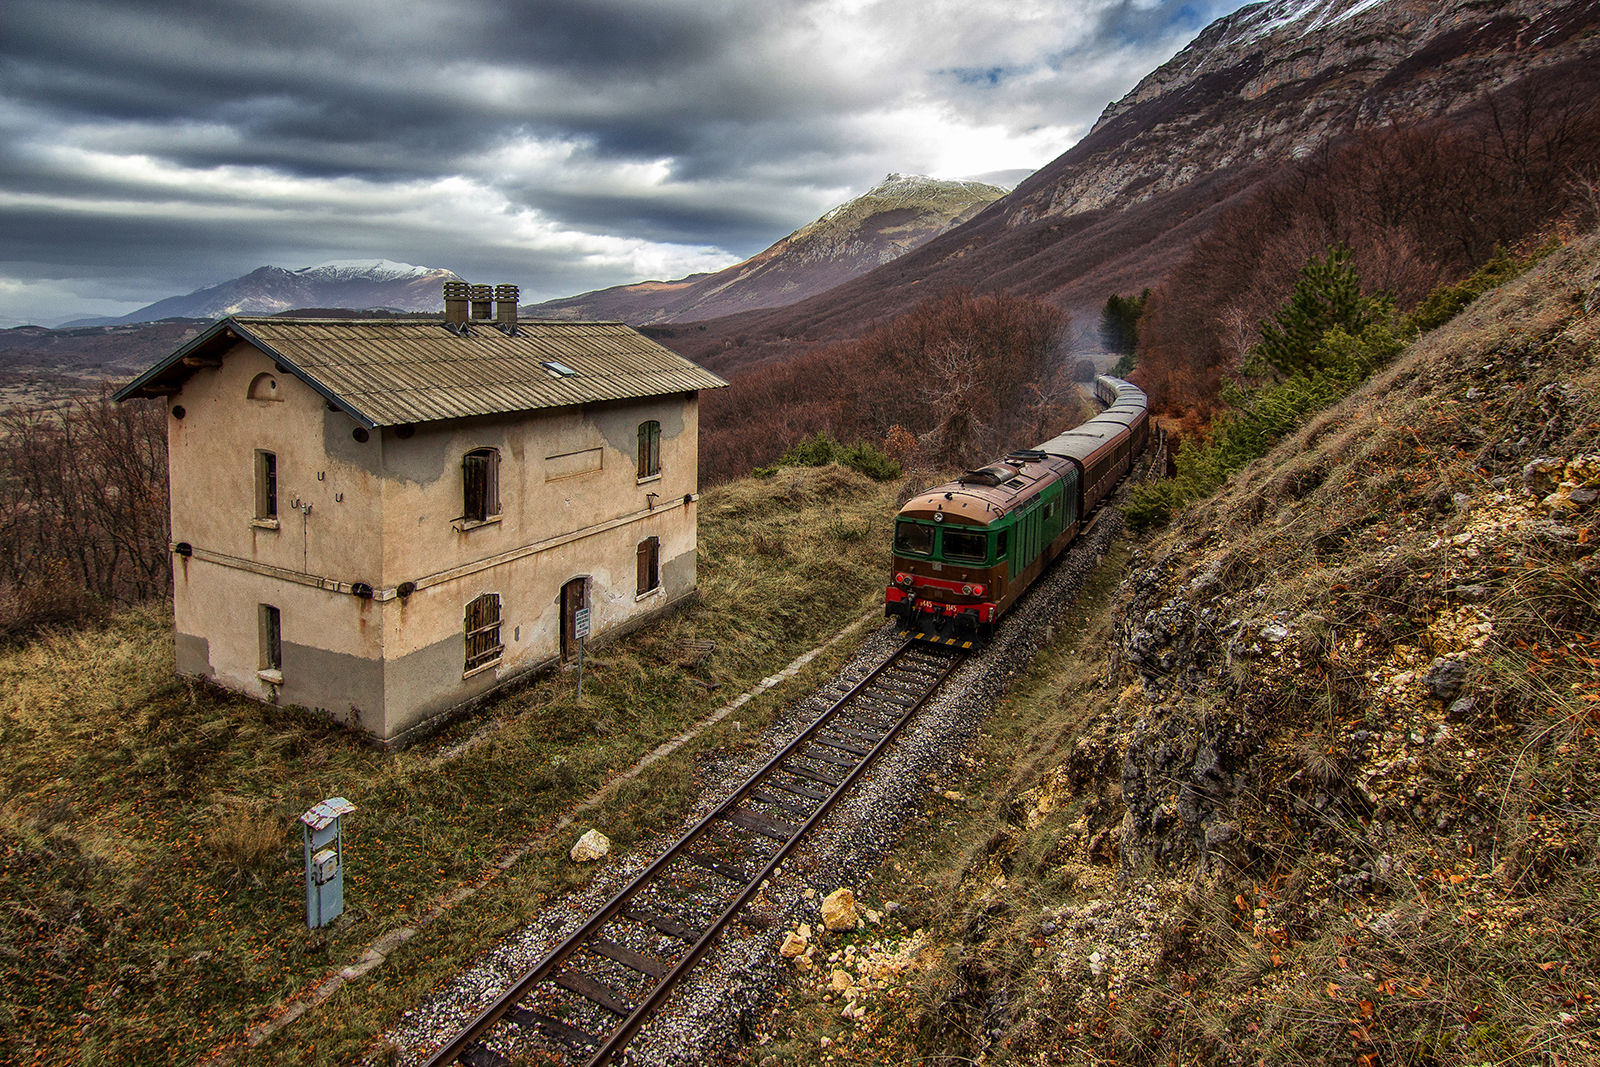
(563,145)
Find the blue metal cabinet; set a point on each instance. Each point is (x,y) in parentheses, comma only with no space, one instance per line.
(324,843)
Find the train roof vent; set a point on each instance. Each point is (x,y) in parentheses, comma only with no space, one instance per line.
(993,474)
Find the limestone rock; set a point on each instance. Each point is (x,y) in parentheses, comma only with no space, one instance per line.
(793,945)
(1446,680)
(592,845)
(839,910)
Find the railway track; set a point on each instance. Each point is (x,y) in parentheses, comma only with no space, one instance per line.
(590,995)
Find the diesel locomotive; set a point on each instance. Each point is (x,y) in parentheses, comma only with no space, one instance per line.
(966,550)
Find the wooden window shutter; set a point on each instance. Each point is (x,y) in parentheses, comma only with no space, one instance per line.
(649,449)
(482,626)
(480,489)
(649,564)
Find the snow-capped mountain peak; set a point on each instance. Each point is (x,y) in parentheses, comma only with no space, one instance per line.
(367,269)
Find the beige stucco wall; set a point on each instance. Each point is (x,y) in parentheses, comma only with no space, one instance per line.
(321,467)
(332,642)
(386,512)
(423,632)
(422,493)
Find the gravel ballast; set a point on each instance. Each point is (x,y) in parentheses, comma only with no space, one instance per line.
(722,995)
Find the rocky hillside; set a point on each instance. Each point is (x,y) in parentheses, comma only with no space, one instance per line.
(362,284)
(1287,76)
(1326,790)
(1268,84)
(895,216)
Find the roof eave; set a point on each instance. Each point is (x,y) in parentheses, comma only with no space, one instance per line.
(228,330)
(334,399)
(147,384)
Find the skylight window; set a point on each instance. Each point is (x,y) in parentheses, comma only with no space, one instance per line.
(559,370)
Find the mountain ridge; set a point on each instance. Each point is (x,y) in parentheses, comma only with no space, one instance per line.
(893,217)
(368,284)
(1255,91)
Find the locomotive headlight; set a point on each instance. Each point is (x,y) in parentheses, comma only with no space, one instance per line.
(978,590)
(966,590)
(902,579)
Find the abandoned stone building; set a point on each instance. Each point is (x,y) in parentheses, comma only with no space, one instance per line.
(385,518)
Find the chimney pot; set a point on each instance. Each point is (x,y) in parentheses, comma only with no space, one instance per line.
(505,300)
(482,295)
(456,297)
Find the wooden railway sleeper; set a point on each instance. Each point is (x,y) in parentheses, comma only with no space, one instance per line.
(797,790)
(822,755)
(761,824)
(666,924)
(468,1041)
(637,961)
(781,804)
(732,874)
(566,1033)
(841,744)
(479,1056)
(815,776)
(589,988)
(870,707)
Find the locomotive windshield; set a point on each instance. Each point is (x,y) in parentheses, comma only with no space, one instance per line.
(967,547)
(913,538)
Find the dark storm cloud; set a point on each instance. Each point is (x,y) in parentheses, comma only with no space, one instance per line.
(289,80)
(145,144)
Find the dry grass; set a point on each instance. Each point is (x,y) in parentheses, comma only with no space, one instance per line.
(1400,879)
(249,842)
(151,905)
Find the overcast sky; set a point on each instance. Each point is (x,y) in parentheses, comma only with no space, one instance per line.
(151,147)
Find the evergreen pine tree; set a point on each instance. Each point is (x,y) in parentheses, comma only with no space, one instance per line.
(1119,327)
(1327,296)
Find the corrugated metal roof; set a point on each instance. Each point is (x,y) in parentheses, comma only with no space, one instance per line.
(388,372)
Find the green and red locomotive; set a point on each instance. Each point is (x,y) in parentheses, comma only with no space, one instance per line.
(966,550)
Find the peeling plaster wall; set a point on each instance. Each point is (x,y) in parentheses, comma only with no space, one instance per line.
(539,499)
(329,505)
(331,642)
(387,511)
(424,632)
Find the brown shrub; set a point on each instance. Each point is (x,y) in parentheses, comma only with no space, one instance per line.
(83,508)
(957,367)
(1418,204)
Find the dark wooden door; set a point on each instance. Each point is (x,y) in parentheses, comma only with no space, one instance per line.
(574,595)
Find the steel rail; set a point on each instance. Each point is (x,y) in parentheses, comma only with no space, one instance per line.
(630,1025)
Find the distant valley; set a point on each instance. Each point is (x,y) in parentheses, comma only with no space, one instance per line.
(896,216)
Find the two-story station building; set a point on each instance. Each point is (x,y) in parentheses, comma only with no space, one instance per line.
(385,518)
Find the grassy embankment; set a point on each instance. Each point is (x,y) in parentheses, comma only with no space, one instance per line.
(1380,876)
(151,899)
